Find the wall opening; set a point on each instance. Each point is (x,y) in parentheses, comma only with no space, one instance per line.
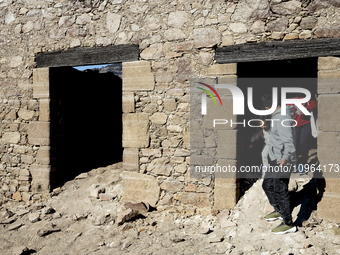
(294,68)
(86,120)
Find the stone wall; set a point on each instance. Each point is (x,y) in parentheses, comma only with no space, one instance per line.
(177,43)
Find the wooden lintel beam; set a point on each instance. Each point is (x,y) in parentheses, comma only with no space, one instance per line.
(88,56)
(278,50)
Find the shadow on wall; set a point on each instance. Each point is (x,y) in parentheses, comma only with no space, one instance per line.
(86,122)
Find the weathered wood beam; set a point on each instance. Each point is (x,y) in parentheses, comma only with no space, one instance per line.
(88,56)
(273,50)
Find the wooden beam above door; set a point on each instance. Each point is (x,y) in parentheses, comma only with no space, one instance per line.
(88,56)
(278,50)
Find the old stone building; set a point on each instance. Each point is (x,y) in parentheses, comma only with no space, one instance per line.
(163,46)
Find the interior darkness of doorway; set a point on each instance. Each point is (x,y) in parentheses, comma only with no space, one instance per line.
(86,122)
(295,68)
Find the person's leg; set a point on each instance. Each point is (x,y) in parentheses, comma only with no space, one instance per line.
(265,159)
(268,188)
(282,196)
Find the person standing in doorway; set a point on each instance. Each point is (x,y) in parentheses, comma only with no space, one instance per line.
(282,155)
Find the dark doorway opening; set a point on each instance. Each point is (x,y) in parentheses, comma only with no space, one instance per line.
(263,76)
(86,121)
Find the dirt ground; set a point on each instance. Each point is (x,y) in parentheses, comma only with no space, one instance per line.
(74,221)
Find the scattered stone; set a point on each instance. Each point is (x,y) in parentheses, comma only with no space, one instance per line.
(292,186)
(335,230)
(6,214)
(216,238)
(126,215)
(214,211)
(105,197)
(205,230)
(177,239)
(308,224)
(33,217)
(79,216)
(229,247)
(139,207)
(249,248)
(56,192)
(247,230)
(37,207)
(22,212)
(15,226)
(47,210)
(48,229)
(224,215)
(95,191)
(125,227)
(82,176)
(127,243)
(228,224)
(20,250)
(307,245)
(99,220)
(57,215)
(9,220)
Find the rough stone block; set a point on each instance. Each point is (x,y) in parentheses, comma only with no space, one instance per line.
(130,159)
(222,69)
(224,112)
(25,114)
(159,118)
(195,199)
(329,74)
(128,102)
(140,188)
(135,130)
(170,104)
(137,76)
(10,137)
(326,211)
(172,185)
(41,83)
(44,110)
(151,152)
(224,164)
(206,37)
(227,136)
(40,178)
(27,159)
(39,133)
(43,155)
(225,193)
(226,144)
(329,86)
(328,63)
(160,166)
(226,80)
(327,107)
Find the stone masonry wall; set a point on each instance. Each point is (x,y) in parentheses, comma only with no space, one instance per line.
(177,42)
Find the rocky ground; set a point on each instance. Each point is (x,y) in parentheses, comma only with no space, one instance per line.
(87,216)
